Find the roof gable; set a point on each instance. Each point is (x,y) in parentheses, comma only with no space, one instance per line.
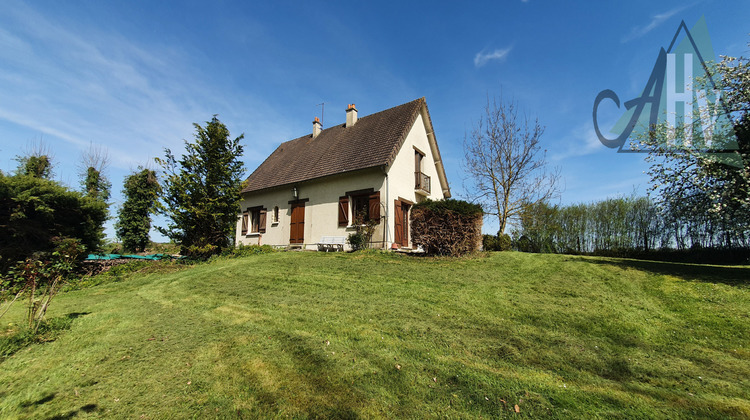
(373,141)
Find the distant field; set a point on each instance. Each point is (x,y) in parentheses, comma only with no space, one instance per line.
(311,335)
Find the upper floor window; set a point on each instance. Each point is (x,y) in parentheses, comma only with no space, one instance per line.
(418,157)
(421,180)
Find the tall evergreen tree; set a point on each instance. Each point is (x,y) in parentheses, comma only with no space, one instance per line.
(201,191)
(141,191)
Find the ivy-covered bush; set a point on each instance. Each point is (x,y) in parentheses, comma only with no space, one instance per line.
(447,227)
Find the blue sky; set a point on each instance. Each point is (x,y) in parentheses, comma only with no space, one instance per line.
(134,76)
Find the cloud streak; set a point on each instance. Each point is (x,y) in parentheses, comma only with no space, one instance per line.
(76,86)
(581,141)
(80,85)
(499,54)
(656,20)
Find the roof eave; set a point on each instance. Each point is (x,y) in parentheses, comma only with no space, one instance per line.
(435,150)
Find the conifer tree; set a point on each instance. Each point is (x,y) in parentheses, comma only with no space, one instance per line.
(201,191)
(141,191)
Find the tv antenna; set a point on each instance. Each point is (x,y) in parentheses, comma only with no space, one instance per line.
(322,106)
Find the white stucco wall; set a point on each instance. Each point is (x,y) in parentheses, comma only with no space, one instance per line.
(401,173)
(321,211)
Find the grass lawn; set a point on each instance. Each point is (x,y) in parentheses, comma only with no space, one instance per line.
(310,335)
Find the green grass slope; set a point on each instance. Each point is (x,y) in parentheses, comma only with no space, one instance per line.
(310,335)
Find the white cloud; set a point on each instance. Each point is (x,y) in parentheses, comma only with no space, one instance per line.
(656,20)
(81,85)
(482,58)
(78,85)
(581,141)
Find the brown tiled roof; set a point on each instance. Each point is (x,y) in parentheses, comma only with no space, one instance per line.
(372,141)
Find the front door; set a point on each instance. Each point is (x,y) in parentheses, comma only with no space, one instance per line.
(401,225)
(297,231)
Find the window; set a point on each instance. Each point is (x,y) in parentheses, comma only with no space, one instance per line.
(275,214)
(361,208)
(364,204)
(257,220)
(418,156)
(421,180)
(254,220)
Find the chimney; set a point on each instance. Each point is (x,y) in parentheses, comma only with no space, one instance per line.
(351,115)
(317,126)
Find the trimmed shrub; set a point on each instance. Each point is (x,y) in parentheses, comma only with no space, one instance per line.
(248,250)
(447,227)
(489,243)
(524,244)
(504,242)
(501,242)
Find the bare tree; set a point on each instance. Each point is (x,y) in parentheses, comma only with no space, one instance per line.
(505,165)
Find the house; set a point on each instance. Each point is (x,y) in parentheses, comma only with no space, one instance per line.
(375,167)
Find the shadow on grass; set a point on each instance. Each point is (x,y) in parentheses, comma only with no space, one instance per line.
(329,397)
(88,408)
(48,331)
(732,276)
(45,399)
(75,315)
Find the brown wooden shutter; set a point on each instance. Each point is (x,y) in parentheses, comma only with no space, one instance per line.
(374,209)
(244,222)
(262,221)
(398,227)
(344,211)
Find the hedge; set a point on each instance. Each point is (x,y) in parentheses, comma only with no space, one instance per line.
(447,227)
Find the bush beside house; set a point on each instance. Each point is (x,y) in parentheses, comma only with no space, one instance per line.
(447,227)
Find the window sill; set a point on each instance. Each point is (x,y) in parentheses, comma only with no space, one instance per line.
(274,224)
(252,235)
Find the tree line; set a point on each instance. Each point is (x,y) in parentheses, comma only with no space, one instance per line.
(636,223)
(47,228)
(699,187)
(197,192)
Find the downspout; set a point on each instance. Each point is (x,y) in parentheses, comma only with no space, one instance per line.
(387,207)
